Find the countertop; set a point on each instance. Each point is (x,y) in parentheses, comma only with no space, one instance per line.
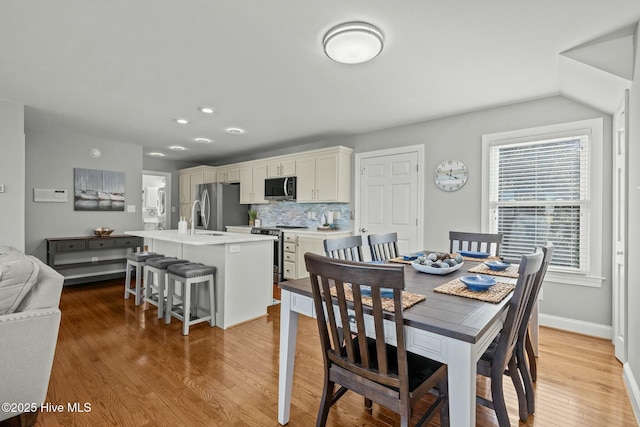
(309,230)
(202,237)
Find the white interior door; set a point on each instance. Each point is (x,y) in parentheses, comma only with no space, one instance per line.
(619,276)
(389,196)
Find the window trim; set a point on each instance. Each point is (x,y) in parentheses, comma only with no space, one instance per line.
(593,275)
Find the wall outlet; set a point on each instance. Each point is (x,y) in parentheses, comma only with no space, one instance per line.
(173,209)
(131,208)
(313,215)
(94,259)
(1,188)
(234,249)
(308,215)
(336,214)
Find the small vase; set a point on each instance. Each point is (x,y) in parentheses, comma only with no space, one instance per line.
(251,222)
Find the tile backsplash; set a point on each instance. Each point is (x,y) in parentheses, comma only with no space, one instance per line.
(292,213)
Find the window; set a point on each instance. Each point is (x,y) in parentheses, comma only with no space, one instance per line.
(544,185)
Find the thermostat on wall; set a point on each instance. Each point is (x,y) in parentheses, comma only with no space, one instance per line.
(49,195)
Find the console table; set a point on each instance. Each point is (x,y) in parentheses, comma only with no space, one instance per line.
(79,258)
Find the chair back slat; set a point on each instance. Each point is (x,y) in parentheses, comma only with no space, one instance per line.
(349,248)
(527,273)
(383,246)
(535,291)
(325,271)
(480,242)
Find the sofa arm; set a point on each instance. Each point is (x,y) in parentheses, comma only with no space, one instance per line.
(26,356)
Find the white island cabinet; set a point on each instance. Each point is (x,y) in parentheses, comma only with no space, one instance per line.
(244,263)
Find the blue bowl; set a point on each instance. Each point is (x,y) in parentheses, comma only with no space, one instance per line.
(478,282)
(474,254)
(412,257)
(497,265)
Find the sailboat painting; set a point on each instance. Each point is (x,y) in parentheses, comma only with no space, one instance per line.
(98,190)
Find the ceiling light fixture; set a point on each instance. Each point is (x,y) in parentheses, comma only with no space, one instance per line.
(235,131)
(353,42)
(203,140)
(182,121)
(156,154)
(207,110)
(177,148)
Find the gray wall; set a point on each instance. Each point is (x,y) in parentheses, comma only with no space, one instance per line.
(633,253)
(12,174)
(460,137)
(50,160)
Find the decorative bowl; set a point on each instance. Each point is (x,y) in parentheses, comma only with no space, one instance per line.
(365,291)
(103,231)
(474,254)
(497,265)
(478,282)
(434,270)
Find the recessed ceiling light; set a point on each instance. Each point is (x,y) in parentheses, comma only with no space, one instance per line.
(207,110)
(182,121)
(157,154)
(203,140)
(235,131)
(353,42)
(177,148)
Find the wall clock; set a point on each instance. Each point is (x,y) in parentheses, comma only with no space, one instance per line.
(451,175)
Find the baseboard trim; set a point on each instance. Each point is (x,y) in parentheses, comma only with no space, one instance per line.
(632,389)
(577,326)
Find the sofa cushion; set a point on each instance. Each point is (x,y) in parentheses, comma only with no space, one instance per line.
(18,274)
(46,291)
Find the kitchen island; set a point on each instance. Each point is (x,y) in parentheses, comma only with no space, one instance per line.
(244,262)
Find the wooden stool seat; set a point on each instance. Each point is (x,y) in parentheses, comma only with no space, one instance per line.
(189,274)
(157,267)
(136,260)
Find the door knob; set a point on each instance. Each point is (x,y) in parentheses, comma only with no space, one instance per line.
(363,230)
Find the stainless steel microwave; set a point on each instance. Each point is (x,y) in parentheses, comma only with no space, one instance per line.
(280,188)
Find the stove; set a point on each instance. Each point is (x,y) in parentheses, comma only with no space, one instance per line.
(278,247)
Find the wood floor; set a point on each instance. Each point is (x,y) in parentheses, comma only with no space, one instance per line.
(136,371)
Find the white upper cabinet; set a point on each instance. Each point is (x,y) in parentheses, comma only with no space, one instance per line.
(231,174)
(281,168)
(324,177)
(252,184)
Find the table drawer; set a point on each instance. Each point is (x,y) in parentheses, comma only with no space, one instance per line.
(71,245)
(289,238)
(131,242)
(290,247)
(288,256)
(100,244)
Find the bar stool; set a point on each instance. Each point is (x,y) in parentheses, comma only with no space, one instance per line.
(187,275)
(137,260)
(157,267)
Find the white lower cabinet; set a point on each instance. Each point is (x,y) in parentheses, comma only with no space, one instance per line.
(297,244)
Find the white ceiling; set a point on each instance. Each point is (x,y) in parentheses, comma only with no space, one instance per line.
(124,69)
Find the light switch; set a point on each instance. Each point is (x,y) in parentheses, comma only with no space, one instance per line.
(131,208)
(234,249)
(1,188)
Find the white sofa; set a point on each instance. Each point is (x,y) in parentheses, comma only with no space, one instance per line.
(29,321)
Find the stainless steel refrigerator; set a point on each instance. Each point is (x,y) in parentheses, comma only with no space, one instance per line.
(220,206)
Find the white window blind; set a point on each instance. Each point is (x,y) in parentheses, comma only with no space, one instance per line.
(539,193)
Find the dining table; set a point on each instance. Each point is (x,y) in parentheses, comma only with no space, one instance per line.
(447,328)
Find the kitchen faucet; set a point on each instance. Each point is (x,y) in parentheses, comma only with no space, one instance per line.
(193,216)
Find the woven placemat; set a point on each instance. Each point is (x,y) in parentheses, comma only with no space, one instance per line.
(400,260)
(511,271)
(494,294)
(408,299)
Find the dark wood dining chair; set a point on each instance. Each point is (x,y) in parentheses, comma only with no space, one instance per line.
(524,348)
(383,246)
(501,354)
(349,248)
(479,242)
(387,375)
